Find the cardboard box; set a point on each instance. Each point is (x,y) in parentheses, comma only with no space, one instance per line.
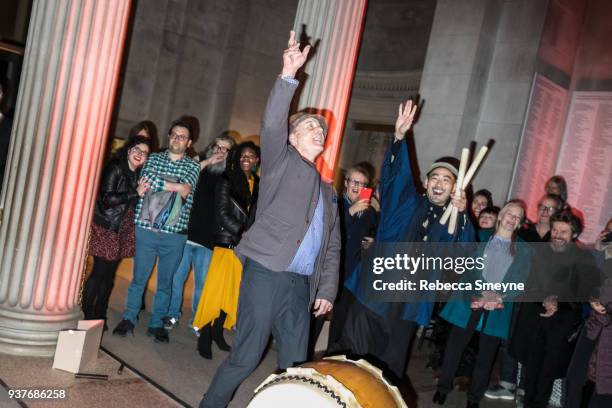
(76,348)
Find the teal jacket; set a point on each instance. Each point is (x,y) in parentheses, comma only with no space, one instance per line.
(457,311)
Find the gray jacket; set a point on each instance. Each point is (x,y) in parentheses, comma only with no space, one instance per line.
(288,193)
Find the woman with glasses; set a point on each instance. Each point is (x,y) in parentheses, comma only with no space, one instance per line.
(358,221)
(505,260)
(112,230)
(540,231)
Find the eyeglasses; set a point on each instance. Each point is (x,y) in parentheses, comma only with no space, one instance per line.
(138,152)
(547,209)
(356,183)
(248,156)
(180,138)
(218,148)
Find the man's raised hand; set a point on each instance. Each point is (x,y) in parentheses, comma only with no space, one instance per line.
(405,117)
(293,58)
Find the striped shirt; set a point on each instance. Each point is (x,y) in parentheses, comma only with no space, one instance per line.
(156,167)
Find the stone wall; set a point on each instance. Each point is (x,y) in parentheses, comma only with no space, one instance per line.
(211,59)
(476,82)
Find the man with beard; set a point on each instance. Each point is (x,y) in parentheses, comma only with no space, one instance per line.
(161,219)
(563,276)
(200,243)
(385,330)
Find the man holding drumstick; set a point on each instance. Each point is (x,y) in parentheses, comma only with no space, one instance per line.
(382,329)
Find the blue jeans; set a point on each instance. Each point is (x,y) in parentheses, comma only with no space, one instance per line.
(168,248)
(200,257)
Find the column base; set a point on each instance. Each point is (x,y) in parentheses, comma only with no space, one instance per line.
(30,334)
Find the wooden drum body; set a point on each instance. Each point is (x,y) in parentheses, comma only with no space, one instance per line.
(332,382)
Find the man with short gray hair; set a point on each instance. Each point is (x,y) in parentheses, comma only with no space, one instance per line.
(291,252)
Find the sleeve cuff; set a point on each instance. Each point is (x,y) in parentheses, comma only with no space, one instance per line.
(289,79)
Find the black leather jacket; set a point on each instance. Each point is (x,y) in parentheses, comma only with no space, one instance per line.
(234,212)
(117,193)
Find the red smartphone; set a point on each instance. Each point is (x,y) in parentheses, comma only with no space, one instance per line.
(365,194)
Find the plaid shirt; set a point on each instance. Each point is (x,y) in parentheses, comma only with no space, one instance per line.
(186,169)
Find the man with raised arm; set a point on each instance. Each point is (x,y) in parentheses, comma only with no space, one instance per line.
(292,251)
(383,329)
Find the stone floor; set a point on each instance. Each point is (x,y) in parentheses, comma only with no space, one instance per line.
(167,375)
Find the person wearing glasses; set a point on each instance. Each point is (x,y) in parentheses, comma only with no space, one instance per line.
(161,219)
(540,231)
(589,375)
(291,253)
(235,205)
(359,220)
(564,275)
(510,387)
(200,233)
(112,230)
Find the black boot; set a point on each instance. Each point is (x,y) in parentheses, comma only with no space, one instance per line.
(205,342)
(88,313)
(217,332)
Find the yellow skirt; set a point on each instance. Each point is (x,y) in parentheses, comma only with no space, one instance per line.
(220,290)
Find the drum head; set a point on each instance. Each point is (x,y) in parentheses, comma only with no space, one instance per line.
(333,382)
(294,393)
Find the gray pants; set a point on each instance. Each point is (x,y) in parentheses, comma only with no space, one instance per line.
(270,302)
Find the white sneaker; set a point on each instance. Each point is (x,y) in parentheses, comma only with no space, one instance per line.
(500,393)
(170,322)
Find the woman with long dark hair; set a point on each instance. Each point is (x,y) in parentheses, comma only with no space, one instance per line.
(487,312)
(112,230)
(148,130)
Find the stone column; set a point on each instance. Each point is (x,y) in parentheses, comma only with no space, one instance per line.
(476,82)
(338,25)
(64,106)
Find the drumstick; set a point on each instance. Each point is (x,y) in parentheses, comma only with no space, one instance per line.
(474,166)
(467,179)
(462,165)
(458,187)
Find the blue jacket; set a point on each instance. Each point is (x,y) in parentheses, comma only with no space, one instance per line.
(498,322)
(403,210)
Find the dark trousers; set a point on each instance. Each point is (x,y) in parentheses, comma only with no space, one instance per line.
(458,340)
(383,340)
(270,302)
(549,348)
(340,312)
(600,401)
(508,366)
(98,288)
(577,386)
(395,355)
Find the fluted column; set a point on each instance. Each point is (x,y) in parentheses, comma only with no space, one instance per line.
(338,25)
(64,106)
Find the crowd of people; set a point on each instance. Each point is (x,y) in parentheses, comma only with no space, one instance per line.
(276,251)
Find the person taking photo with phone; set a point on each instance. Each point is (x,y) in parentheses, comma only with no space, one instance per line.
(358,226)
